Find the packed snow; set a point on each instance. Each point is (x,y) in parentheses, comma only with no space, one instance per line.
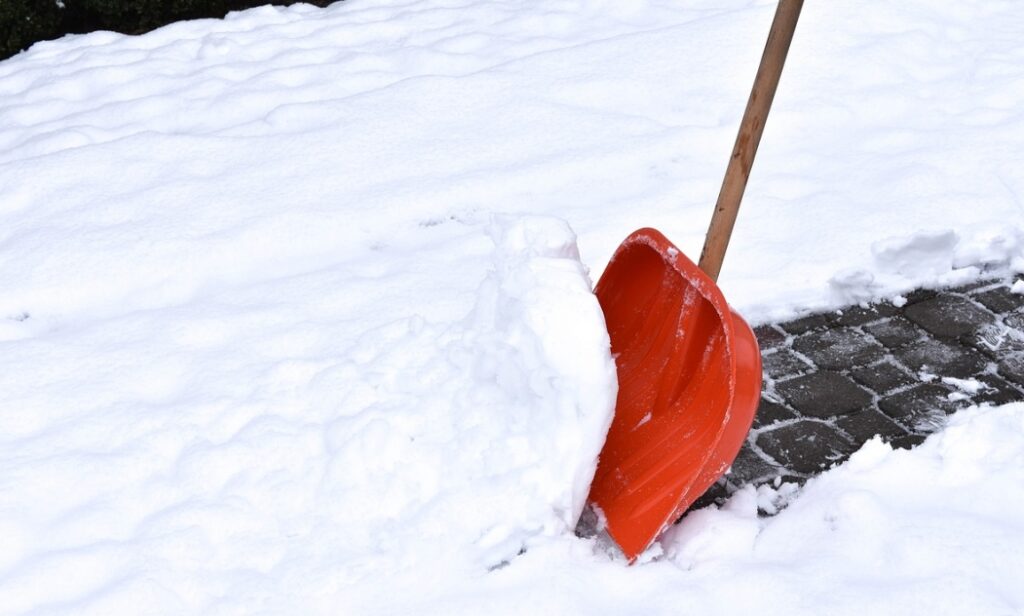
(296,311)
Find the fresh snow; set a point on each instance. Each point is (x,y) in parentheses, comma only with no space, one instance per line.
(296,311)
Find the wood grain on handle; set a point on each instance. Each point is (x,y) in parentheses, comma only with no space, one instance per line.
(751,127)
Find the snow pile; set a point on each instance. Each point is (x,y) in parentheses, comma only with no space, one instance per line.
(264,346)
(934,530)
(231,448)
(934,258)
(481,437)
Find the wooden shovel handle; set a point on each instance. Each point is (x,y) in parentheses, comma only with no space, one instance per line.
(761,95)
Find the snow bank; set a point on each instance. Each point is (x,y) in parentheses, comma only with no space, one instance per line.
(367,117)
(934,530)
(232,450)
(259,354)
(481,437)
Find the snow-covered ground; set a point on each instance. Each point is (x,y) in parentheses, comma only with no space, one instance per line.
(295,311)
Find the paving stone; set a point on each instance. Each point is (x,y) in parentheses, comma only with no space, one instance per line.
(974,286)
(919,295)
(1012,367)
(748,467)
(1003,344)
(769,336)
(996,340)
(783,362)
(1015,320)
(1000,299)
(812,322)
(882,377)
(921,408)
(787,478)
(824,394)
(909,441)
(806,446)
(895,332)
(941,358)
(859,315)
(864,425)
(769,412)
(949,316)
(837,349)
(995,390)
(715,495)
(864,378)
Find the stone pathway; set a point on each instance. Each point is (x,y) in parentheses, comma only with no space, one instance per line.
(834,380)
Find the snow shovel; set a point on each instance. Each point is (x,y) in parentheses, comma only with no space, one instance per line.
(689,368)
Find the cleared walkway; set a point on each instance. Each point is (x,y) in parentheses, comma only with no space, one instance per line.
(834,380)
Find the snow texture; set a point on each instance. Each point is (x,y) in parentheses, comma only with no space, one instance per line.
(293,320)
(238,438)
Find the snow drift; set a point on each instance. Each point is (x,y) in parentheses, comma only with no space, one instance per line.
(265,349)
(196,450)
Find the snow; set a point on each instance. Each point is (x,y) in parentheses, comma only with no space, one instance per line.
(933,530)
(292,431)
(296,313)
(966,386)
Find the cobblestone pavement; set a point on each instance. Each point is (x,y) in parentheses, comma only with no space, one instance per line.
(834,380)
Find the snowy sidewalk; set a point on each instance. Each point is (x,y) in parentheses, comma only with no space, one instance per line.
(834,380)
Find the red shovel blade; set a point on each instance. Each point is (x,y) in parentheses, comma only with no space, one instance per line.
(689,373)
